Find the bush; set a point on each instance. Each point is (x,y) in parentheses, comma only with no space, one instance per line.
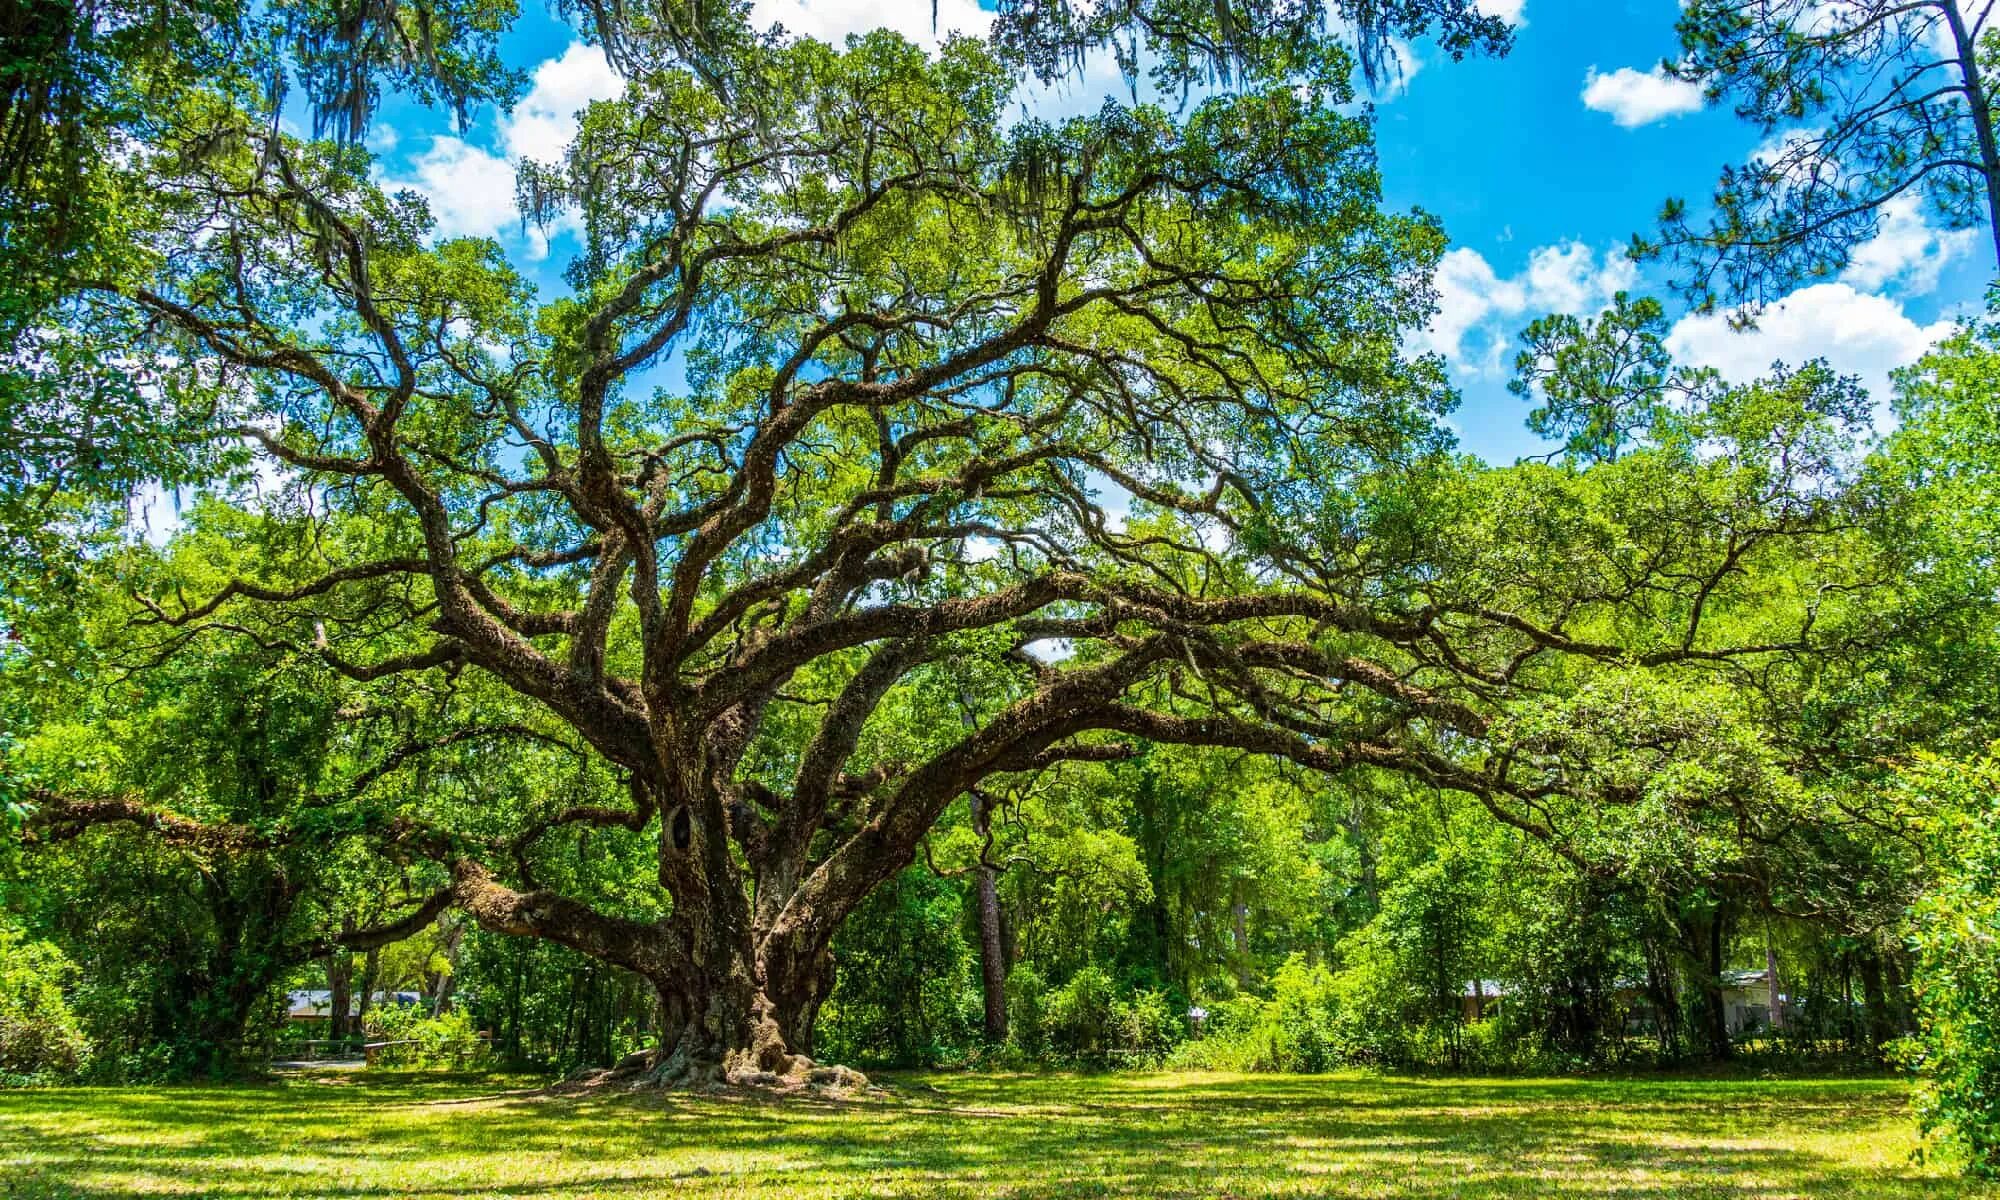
(445,1040)
(1027,1010)
(1295,1030)
(1957,976)
(1078,1019)
(1302,1016)
(1087,1020)
(1375,1011)
(1144,1027)
(39,1035)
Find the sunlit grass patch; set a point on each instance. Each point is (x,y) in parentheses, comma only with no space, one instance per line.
(1184,1135)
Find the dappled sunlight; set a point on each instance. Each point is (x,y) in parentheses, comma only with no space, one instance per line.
(1018,1136)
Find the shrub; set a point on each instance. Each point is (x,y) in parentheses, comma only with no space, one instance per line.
(447,1039)
(1295,1030)
(1027,1007)
(1302,1017)
(1078,1018)
(1957,976)
(39,1035)
(1144,1027)
(1375,1010)
(1088,1021)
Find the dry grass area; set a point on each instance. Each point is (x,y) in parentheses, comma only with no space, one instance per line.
(1173,1135)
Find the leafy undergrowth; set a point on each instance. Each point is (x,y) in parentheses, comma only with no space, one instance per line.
(1174,1135)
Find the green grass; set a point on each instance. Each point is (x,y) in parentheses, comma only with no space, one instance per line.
(1181,1135)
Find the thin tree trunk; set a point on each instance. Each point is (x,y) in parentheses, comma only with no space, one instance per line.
(1239,913)
(441,984)
(340,989)
(992,947)
(1771,980)
(1875,1002)
(371,974)
(1665,1001)
(1712,993)
(1982,118)
(1896,982)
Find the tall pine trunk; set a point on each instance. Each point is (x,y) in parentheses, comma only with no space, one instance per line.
(992,938)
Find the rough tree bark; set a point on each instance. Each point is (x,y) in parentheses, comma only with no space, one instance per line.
(340,989)
(992,937)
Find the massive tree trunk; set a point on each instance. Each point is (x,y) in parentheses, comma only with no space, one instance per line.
(739,968)
(744,1011)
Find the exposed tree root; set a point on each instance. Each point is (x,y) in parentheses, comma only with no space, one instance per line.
(648,1071)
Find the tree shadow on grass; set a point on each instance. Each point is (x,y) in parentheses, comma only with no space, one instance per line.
(1023,1136)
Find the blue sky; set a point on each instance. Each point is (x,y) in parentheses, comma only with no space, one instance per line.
(1541,166)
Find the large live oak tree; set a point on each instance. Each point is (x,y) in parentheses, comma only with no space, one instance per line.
(795,513)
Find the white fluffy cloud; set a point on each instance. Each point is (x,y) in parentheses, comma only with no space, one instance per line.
(1635,98)
(542,124)
(1906,249)
(832,20)
(1480,312)
(471,189)
(1514,12)
(1857,333)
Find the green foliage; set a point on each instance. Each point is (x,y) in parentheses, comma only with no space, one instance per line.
(1601,381)
(1957,940)
(1296,1030)
(40,1037)
(1144,1027)
(1027,1010)
(430,1040)
(1182,43)
(904,995)
(1378,1019)
(1077,1016)
(550,1008)
(1569,723)
(1090,1021)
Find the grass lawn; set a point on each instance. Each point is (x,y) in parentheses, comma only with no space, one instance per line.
(1183,1135)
